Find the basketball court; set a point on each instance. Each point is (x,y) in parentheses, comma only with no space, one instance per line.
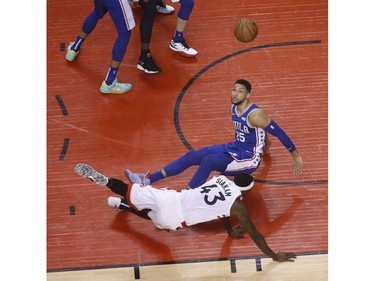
(185,107)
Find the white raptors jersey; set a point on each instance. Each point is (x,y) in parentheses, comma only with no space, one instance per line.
(171,209)
(165,205)
(209,201)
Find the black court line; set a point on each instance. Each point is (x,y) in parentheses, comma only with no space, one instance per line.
(202,71)
(292,182)
(64,149)
(62,105)
(233,268)
(62,47)
(64,112)
(72,210)
(136,266)
(137,274)
(258,264)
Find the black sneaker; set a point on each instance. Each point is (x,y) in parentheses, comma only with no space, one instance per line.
(148,65)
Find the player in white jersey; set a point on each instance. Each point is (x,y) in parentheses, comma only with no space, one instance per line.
(172,209)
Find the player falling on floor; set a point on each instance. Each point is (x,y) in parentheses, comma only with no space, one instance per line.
(172,209)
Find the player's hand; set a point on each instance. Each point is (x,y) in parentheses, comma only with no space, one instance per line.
(297,165)
(238,232)
(285,256)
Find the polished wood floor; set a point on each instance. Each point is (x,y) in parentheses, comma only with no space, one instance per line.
(187,107)
(305,268)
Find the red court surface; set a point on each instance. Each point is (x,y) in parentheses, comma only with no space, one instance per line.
(187,106)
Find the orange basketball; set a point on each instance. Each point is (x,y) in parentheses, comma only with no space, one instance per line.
(245,30)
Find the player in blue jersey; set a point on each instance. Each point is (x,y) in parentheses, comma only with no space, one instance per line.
(240,156)
(123,18)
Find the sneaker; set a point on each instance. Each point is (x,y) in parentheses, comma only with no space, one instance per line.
(115,88)
(118,203)
(148,65)
(164,8)
(88,172)
(70,54)
(137,178)
(183,48)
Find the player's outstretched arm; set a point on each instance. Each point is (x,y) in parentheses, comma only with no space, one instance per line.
(239,210)
(236,232)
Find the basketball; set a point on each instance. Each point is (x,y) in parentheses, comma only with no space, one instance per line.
(245,30)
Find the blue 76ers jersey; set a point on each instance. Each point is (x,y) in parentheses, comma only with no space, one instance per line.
(248,140)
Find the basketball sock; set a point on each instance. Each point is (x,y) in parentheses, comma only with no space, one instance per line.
(117,186)
(144,53)
(77,44)
(178,36)
(111,75)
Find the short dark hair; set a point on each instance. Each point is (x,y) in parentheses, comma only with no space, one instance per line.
(244,83)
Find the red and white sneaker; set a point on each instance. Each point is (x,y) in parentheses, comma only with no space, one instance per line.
(183,48)
(164,8)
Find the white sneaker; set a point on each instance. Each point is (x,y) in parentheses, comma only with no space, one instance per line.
(118,203)
(183,48)
(114,202)
(164,8)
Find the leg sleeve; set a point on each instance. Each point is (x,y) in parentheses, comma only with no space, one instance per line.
(186,9)
(90,22)
(117,186)
(215,162)
(147,20)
